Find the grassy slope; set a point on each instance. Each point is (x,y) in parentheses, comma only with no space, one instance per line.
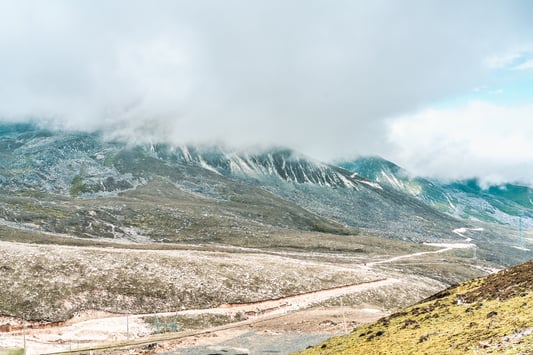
(497,317)
(162,211)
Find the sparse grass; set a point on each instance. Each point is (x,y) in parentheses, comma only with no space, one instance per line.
(54,282)
(78,187)
(448,271)
(391,297)
(181,323)
(11,351)
(41,282)
(361,247)
(162,212)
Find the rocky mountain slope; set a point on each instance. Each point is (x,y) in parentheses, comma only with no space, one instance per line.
(487,315)
(510,204)
(82,184)
(75,165)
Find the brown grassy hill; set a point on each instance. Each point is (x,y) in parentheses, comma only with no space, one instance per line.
(490,315)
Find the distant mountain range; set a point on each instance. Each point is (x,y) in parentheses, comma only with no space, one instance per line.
(510,204)
(79,183)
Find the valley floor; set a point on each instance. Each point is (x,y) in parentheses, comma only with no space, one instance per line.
(354,290)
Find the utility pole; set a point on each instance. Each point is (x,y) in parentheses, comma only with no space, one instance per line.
(127,327)
(520,230)
(24,332)
(343,317)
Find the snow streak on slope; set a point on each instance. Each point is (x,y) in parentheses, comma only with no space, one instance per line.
(281,163)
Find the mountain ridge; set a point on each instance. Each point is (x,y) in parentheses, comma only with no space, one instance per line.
(84,165)
(276,188)
(510,204)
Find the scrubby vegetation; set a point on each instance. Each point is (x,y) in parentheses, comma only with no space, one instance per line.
(78,187)
(52,282)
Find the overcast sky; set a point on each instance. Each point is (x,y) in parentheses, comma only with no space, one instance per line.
(443,88)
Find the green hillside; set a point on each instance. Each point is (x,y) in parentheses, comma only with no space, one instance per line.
(493,314)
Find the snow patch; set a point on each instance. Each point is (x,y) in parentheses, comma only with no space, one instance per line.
(186,154)
(450,202)
(206,166)
(346,182)
(237,163)
(372,184)
(520,247)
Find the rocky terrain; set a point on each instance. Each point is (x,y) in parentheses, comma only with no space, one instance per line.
(78,183)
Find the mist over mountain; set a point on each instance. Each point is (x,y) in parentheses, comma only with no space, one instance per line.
(328,80)
(155,227)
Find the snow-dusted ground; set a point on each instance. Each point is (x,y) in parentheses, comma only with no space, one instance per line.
(92,328)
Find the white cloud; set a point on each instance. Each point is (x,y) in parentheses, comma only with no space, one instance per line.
(503,61)
(477,140)
(318,76)
(528,64)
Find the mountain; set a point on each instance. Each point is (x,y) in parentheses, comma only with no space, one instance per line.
(487,315)
(80,165)
(79,184)
(62,162)
(508,204)
(82,184)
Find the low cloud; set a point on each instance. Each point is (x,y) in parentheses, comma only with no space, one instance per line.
(480,139)
(319,76)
